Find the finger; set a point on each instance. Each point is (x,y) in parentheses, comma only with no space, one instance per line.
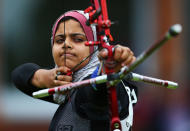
(63,83)
(64,78)
(126,52)
(134,59)
(128,61)
(63,69)
(117,52)
(60,83)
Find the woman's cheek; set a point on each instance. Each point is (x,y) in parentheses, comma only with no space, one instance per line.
(56,59)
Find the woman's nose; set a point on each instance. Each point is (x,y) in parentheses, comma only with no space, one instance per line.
(67,44)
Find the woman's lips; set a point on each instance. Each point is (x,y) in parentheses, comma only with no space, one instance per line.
(67,55)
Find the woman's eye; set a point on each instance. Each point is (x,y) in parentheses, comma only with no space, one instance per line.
(78,39)
(59,41)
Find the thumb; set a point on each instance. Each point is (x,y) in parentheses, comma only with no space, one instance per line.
(103,54)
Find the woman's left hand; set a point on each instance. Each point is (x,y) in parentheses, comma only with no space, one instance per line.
(123,56)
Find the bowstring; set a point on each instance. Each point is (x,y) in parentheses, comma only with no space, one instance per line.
(64,42)
(83,60)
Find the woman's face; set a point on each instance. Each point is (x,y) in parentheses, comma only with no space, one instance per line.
(69,45)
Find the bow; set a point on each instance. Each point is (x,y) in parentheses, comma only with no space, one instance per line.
(98,15)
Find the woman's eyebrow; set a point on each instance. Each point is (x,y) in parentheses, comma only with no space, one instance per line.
(60,35)
(72,34)
(78,34)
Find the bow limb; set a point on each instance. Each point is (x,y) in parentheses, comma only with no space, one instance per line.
(102,25)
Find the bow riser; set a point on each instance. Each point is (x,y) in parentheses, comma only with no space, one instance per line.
(103,37)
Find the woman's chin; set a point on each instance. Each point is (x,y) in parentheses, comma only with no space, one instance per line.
(72,65)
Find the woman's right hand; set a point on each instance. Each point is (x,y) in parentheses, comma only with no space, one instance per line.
(44,78)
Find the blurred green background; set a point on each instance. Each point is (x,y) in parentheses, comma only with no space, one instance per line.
(25,32)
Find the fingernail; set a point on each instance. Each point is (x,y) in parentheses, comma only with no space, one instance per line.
(58,73)
(123,64)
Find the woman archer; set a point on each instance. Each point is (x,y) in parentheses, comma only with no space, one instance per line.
(86,108)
